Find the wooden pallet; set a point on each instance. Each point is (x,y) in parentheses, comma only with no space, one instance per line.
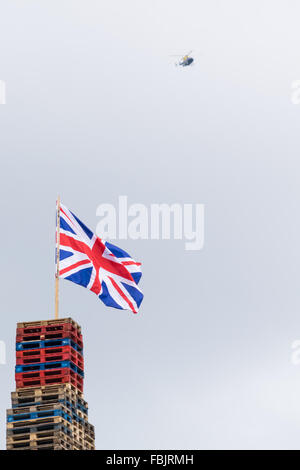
(37,439)
(55,445)
(26,340)
(37,408)
(35,430)
(38,356)
(37,422)
(24,439)
(46,447)
(33,409)
(47,407)
(34,324)
(76,397)
(44,329)
(40,436)
(46,389)
(40,400)
(75,430)
(56,439)
(81,432)
(48,399)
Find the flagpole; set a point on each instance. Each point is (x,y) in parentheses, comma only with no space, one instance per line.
(57,256)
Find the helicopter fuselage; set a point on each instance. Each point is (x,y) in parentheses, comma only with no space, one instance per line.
(186,62)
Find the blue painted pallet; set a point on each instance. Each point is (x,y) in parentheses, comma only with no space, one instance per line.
(64,402)
(75,408)
(38,403)
(82,408)
(28,403)
(49,366)
(39,414)
(51,343)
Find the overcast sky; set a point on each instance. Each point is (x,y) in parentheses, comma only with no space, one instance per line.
(96,109)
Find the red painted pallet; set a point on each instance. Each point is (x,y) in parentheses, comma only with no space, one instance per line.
(42,381)
(48,336)
(20,376)
(35,356)
(28,353)
(48,329)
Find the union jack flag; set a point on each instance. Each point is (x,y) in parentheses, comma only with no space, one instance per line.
(99,266)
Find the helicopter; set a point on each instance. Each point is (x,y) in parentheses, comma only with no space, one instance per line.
(185,60)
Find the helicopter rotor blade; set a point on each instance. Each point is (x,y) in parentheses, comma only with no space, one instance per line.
(180,55)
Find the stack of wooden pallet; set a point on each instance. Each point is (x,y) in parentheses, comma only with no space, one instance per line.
(48,409)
